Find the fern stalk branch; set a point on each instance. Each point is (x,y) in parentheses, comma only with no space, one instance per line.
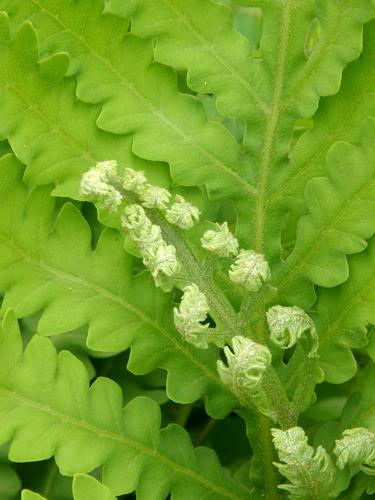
(270,131)
(221,309)
(258,431)
(280,403)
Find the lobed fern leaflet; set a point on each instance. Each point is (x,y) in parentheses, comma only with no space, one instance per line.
(86,427)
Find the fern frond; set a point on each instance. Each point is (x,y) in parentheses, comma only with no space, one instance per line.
(338,223)
(51,132)
(293,84)
(139,96)
(338,118)
(310,472)
(356,447)
(31,495)
(59,272)
(218,58)
(86,427)
(86,487)
(343,314)
(65,144)
(316,71)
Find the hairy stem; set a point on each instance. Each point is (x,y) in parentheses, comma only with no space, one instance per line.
(258,431)
(280,403)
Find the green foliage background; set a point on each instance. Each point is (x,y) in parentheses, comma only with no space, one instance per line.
(261,112)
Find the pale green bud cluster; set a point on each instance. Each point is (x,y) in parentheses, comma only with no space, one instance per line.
(192,311)
(222,242)
(151,196)
(311,472)
(182,213)
(159,257)
(356,447)
(247,361)
(154,197)
(95,185)
(287,324)
(250,269)
(134,180)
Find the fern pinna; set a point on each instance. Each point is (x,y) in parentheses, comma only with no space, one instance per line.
(187,207)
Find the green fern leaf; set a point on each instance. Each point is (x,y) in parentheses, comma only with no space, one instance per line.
(339,118)
(140,96)
(338,223)
(343,314)
(283,85)
(86,427)
(59,271)
(217,57)
(360,409)
(31,495)
(36,112)
(86,487)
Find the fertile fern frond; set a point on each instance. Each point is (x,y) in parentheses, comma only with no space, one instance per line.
(311,473)
(356,447)
(58,271)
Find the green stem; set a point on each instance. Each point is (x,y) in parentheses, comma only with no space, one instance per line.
(183,414)
(204,432)
(305,389)
(50,477)
(258,431)
(357,488)
(277,397)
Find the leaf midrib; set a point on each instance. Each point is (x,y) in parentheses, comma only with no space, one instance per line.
(270,131)
(120,439)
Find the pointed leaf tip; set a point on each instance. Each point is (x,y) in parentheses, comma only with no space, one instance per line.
(31,495)
(26,44)
(55,66)
(86,487)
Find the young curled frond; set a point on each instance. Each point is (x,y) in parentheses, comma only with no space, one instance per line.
(159,257)
(134,180)
(189,316)
(246,363)
(356,447)
(311,473)
(221,242)
(250,269)
(182,213)
(95,185)
(154,197)
(287,324)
